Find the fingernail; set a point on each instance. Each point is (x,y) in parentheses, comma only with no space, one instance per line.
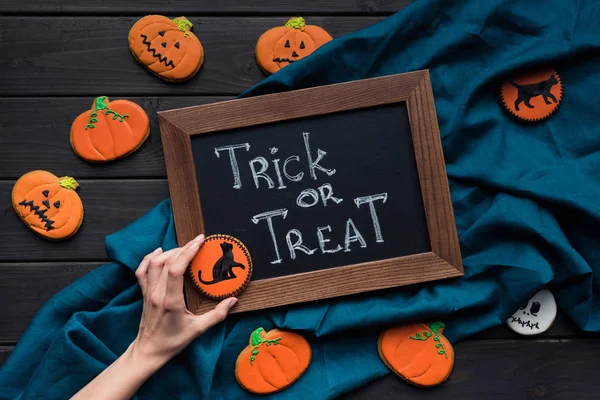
(195,244)
(232,302)
(158,250)
(199,238)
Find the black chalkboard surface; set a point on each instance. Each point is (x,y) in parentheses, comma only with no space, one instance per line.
(354,205)
(334,190)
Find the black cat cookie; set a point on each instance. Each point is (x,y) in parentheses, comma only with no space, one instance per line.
(222,268)
(532,96)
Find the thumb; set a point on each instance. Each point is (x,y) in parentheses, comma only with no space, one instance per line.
(214,316)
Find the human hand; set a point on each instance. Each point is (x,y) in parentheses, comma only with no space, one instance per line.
(166,326)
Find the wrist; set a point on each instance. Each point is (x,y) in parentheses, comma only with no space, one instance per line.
(147,361)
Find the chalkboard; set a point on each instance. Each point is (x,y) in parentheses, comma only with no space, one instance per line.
(350,207)
(334,190)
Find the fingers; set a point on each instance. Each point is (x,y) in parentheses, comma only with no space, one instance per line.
(155,267)
(214,316)
(177,265)
(141,272)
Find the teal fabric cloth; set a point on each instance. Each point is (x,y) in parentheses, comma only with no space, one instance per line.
(525,199)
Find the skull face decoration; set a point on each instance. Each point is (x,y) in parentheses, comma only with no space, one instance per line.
(535,316)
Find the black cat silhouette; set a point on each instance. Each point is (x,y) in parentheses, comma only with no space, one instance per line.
(526,92)
(223,268)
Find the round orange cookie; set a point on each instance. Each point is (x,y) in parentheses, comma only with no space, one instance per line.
(48,205)
(272,361)
(167,48)
(418,353)
(222,268)
(532,96)
(110,130)
(284,45)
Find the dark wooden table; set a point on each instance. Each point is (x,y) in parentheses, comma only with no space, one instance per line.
(56,56)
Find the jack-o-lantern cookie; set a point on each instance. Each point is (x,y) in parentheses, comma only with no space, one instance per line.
(283,45)
(418,353)
(536,316)
(272,361)
(48,205)
(110,130)
(532,96)
(167,48)
(222,267)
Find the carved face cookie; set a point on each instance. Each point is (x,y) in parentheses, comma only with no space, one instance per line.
(222,268)
(167,48)
(536,316)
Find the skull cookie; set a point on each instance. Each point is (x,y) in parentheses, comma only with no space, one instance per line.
(536,316)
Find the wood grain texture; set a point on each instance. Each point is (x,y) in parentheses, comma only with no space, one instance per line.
(109,206)
(90,55)
(506,370)
(35,135)
(414,88)
(25,287)
(222,7)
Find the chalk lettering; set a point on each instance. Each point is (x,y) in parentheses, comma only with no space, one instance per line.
(323,241)
(314,165)
(327,194)
(370,199)
(297,245)
(312,193)
(278,172)
(237,183)
(294,178)
(352,237)
(264,165)
(268,215)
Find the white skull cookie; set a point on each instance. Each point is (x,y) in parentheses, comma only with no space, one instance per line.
(536,316)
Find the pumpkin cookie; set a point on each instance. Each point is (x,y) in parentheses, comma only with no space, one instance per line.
(417,353)
(532,96)
(167,48)
(48,205)
(272,361)
(284,45)
(110,130)
(222,267)
(536,316)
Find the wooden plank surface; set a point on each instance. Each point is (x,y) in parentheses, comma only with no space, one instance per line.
(43,56)
(42,141)
(109,206)
(187,7)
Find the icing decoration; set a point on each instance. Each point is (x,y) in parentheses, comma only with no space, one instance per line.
(418,353)
(167,48)
(222,267)
(272,361)
(31,198)
(284,45)
(110,130)
(535,316)
(532,95)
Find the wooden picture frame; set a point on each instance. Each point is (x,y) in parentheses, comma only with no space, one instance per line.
(413,88)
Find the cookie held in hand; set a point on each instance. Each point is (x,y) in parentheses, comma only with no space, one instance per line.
(48,205)
(284,45)
(167,48)
(417,353)
(110,130)
(272,361)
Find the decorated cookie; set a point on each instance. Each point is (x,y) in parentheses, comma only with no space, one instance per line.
(272,361)
(417,353)
(166,47)
(110,130)
(284,45)
(222,268)
(48,205)
(536,316)
(532,96)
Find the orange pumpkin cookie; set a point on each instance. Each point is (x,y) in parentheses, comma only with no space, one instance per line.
(417,353)
(222,267)
(48,205)
(110,130)
(167,48)
(284,45)
(532,96)
(272,361)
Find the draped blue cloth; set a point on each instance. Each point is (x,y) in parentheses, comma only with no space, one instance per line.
(525,199)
